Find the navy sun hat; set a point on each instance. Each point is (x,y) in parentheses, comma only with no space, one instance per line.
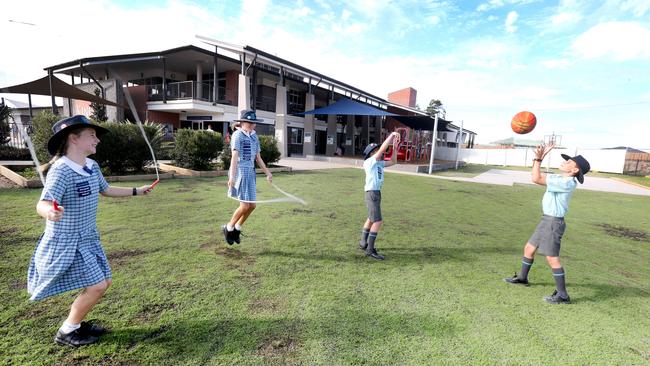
(369,149)
(63,127)
(583,166)
(248,115)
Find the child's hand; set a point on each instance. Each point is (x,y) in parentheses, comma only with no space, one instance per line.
(395,136)
(230,183)
(55,215)
(145,189)
(269,177)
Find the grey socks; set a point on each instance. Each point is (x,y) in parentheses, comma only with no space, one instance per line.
(526,263)
(558,275)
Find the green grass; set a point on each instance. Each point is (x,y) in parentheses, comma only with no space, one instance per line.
(298,291)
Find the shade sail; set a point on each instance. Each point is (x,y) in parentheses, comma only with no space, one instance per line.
(59,89)
(349,107)
(425,123)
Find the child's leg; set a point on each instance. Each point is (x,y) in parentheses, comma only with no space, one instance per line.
(558,275)
(527,260)
(372,236)
(85,301)
(363,243)
(248,211)
(237,214)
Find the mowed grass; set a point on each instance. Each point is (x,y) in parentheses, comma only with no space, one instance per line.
(298,291)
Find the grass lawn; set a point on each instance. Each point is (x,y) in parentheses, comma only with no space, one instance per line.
(298,291)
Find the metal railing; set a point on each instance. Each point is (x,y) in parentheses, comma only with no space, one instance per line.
(185,90)
(13,137)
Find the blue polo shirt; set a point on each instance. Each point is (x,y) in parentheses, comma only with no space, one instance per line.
(374,174)
(558,193)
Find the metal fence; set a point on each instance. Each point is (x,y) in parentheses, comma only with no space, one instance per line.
(14,138)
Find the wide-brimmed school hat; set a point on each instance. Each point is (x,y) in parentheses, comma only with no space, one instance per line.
(248,115)
(63,127)
(369,149)
(582,164)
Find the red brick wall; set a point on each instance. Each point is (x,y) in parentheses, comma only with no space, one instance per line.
(165,117)
(405,97)
(232,86)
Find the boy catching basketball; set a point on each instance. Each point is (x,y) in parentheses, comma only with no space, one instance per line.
(548,234)
(374,164)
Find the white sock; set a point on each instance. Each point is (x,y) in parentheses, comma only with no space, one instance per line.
(238,227)
(67,327)
(228,227)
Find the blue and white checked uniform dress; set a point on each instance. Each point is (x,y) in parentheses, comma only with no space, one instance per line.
(244,182)
(69,255)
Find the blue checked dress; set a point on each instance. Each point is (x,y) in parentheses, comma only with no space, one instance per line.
(244,183)
(68,255)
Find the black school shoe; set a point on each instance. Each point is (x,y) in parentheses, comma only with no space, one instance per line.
(236,235)
(516,280)
(555,298)
(91,329)
(227,235)
(75,338)
(375,255)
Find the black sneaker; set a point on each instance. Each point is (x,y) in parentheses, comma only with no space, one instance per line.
(91,329)
(363,245)
(235,235)
(516,280)
(555,298)
(375,255)
(75,338)
(227,235)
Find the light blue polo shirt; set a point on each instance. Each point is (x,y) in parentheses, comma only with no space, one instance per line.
(374,173)
(558,193)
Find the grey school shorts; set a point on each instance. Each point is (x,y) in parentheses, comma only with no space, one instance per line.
(548,235)
(373,203)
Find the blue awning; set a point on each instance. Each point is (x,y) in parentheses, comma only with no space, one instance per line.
(345,106)
(424,123)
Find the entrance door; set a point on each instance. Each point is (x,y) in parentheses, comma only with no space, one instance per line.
(321,142)
(295,140)
(197,125)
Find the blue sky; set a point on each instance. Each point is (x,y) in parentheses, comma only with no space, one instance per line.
(583,67)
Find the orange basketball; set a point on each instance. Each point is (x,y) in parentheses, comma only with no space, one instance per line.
(523,122)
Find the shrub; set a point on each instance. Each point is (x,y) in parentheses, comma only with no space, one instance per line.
(269,152)
(12,153)
(196,149)
(124,149)
(41,133)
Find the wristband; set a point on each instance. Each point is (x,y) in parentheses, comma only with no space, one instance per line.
(135,191)
(540,160)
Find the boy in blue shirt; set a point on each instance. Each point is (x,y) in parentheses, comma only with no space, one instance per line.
(548,234)
(374,164)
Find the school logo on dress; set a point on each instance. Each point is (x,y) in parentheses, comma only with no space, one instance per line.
(83,189)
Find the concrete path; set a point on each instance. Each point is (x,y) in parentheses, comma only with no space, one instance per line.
(492,176)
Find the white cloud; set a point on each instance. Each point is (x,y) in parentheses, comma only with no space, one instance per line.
(345,15)
(620,40)
(637,7)
(433,20)
(557,64)
(565,18)
(510,22)
(492,4)
(492,18)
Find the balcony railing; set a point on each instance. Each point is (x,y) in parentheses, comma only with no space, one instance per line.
(186,90)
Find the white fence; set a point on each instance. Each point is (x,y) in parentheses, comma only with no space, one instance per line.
(610,161)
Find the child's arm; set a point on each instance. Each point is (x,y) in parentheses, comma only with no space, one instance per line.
(234,158)
(394,136)
(393,157)
(266,170)
(540,152)
(46,210)
(124,191)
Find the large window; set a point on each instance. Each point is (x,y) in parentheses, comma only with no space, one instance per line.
(295,101)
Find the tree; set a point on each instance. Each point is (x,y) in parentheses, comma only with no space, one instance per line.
(99,110)
(435,108)
(5,114)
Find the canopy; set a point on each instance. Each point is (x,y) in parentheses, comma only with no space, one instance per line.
(345,106)
(424,123)
(59,89)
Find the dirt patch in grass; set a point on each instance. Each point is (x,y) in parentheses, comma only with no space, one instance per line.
(16,285)
(184,190)
(642,353)
(331,215)
(9,230)
(301,210)
(275,347)
(624,232)
(119,257)
(262,305)
(153,311)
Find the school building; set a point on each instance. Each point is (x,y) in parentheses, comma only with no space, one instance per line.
(207,85)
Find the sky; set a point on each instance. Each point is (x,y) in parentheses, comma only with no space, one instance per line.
(582,67)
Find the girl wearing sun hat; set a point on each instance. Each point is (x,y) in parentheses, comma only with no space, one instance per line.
(69,255)
(245,148)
